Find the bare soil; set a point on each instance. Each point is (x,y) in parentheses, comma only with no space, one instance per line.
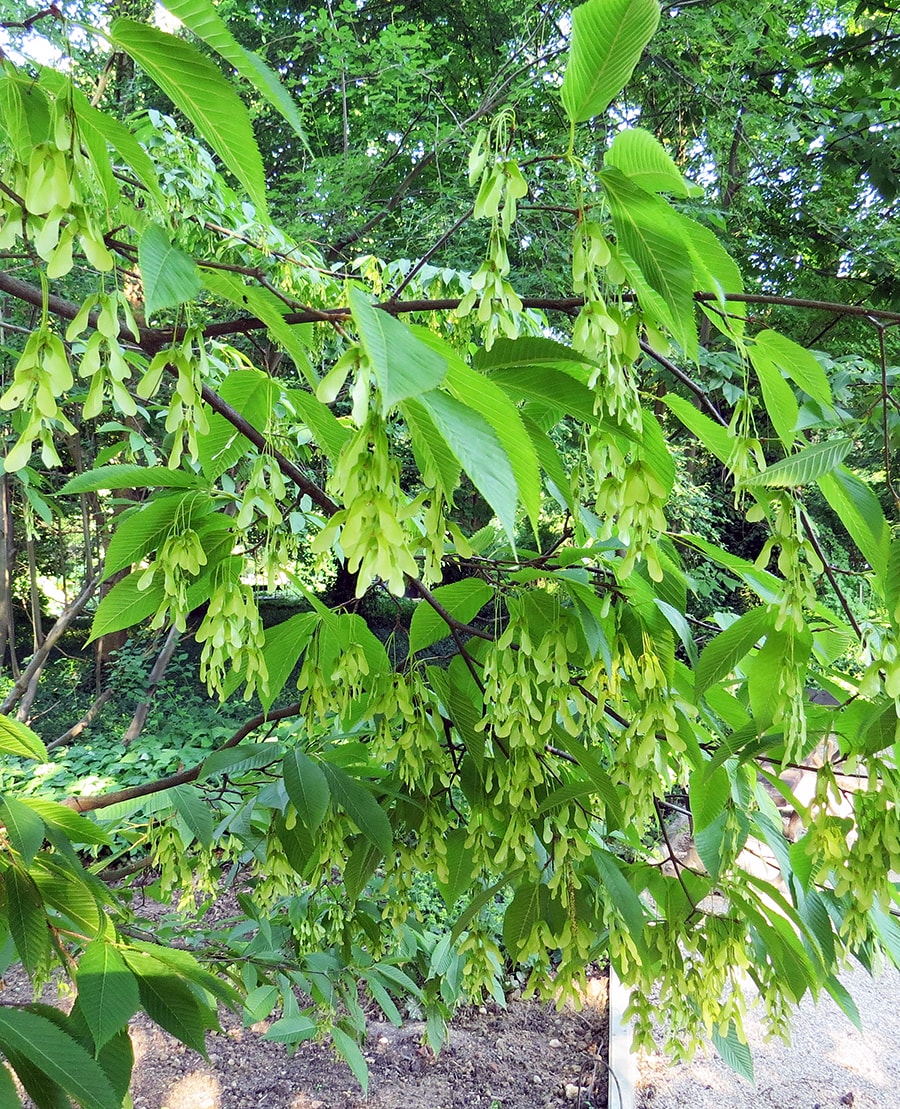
(528,1056)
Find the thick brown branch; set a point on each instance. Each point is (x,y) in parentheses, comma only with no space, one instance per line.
(153,339)
(183,777)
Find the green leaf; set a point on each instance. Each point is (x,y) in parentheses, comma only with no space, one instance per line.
(647,232)
(378,991)
(291,1030)
(475,445)
(127,476)
(168,1001)
(203,19)
(307,788)
(589,608)
(186,966)
(805,466)
(43,1091)
(643,158)
(478,392)
(550,386)
(107,991)
(73,898)
(285,643)
(361,865)
(841,995)
(327,431)
(626,901)
(125,605)
(259,1003)
(522,914)
(708,842)
(18,739)
(713,436)
(142,530)
(98,127)
(529,351)
(252,394)
(349,1051)
(779,399)
(608,38)
(463,600)
(680,626)
(725,651)
(403,366)
(734,1051)
(196,86)
(362,808)
(461,867)
(654,450)
(9,1099)
(466,716)
(116,1059)
(27,918)
(235,761)
(170,277)
(24,827)
(268,308)
(477,904)
(715,271)
(860,511)
(710,790)
(437,463)
(801,366)
(891,587)
(195,812)
(52,1051)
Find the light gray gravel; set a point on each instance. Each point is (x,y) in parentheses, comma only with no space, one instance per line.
(830,1064)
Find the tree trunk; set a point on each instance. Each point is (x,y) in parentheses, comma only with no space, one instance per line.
(156,676)
(36,665)
(7,551)
(37,616)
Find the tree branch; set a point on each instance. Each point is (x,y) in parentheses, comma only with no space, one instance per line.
(183,777)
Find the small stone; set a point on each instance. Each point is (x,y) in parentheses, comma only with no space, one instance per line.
(571,1091)
(537,1080)
(555,1042)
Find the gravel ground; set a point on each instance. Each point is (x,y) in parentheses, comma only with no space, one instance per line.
(829,1064)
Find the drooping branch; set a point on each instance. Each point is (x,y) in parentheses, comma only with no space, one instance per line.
(150,341)
(318,496)
(85,722)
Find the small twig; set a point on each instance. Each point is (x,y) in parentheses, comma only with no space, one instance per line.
(814,542)
(423,261)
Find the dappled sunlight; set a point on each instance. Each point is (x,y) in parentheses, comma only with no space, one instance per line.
(860,1055)
(197,1090)
(306,1101)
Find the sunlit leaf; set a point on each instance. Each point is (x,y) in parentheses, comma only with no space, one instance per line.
(608,38)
